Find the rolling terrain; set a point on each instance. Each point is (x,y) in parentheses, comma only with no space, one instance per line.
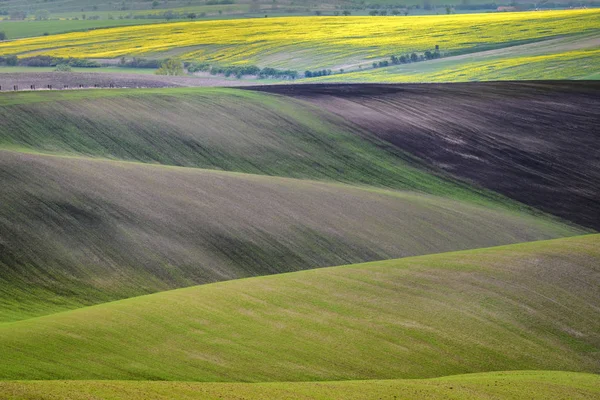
(526,140)
(304,206)
(110,194)
(76,232)
(527,306)
(505,385)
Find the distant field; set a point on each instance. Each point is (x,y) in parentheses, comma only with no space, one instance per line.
(566,58)
(535,385)
(334,42)
(24,29)
(531,306)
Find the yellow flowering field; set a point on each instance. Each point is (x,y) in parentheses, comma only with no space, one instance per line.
(310,42)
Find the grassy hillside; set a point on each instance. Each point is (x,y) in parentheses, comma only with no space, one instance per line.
(222,129)
(527,306)
(505,385)
(76,232)
(333,42)
(529,141)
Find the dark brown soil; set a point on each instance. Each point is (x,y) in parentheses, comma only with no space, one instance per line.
(536,142)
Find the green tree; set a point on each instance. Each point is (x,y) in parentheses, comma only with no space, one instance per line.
(346,13)
(42,15)
(170,67)
(2,35)
(63,68)
(12,61)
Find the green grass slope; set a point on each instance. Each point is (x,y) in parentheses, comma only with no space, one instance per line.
(499,385)
(75,231)
(533,306)
(224,129)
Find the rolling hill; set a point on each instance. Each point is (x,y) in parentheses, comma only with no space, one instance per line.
(505,385)
(221,129)
(527,306)
(529,141)
(78,226)
(76,232)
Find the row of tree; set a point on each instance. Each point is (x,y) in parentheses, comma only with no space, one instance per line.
(315,74)
(47,61)
(176,67)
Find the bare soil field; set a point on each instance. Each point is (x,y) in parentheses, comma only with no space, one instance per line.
(71,80)
(535,142)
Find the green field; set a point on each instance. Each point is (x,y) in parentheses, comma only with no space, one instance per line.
(505,385)
(527,306)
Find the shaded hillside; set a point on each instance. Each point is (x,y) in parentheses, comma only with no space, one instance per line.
(224,129)
(505,385)
(537,143)
(76,231)
(527,306)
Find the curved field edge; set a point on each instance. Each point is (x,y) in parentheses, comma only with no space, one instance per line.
(532,306)
(531,385)
(72,235)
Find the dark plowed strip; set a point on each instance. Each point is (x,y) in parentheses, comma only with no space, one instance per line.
(536,142)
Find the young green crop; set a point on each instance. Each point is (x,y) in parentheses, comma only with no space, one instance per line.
(536,385)
(531,306)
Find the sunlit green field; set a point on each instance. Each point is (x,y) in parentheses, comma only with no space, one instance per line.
(534,385)
(529,306)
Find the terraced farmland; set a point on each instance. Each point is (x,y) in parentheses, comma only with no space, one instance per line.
(332,42)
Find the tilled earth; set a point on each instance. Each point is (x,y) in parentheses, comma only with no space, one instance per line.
(535,142)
